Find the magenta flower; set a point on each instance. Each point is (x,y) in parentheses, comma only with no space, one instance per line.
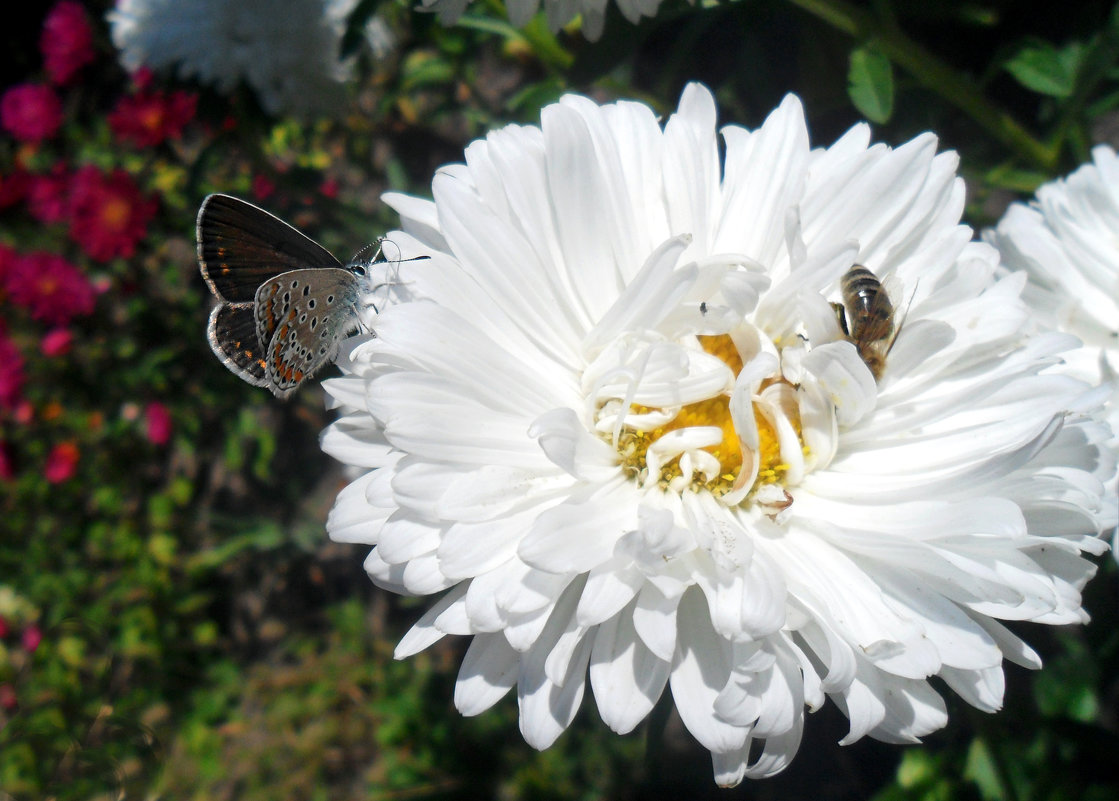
(157,423)
(31,112)
(52,289)
(62,462)
(31,638)
(147,118)
(66,42)
(108,213)
(46,195)
(56,342)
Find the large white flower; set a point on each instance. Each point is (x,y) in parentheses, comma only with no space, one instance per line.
(1068,243)
(286,50)
(559,12)
(616,422)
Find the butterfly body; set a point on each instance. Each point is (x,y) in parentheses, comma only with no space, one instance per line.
(285,302)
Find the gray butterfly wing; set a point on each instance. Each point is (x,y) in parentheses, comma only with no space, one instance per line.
(302,315)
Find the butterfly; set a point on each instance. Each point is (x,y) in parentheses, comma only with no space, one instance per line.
(285,300)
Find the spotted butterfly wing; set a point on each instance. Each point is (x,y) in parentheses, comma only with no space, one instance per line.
(232,337)
(302,315)
(240,246)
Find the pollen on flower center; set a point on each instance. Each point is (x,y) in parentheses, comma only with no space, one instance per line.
(724,467)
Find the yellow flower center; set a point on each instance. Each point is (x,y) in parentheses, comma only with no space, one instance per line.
(633,444)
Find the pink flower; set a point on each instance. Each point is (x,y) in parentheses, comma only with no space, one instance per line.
(148,118)
(12,376)
(62,462)
(66,42)
(52,289)
(157,423)
(108,213)
(31,112)
(31,637)
(46,195)
(4,629)
(329,188)
(56,342)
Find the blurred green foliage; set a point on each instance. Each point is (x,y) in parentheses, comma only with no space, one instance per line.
(200,638)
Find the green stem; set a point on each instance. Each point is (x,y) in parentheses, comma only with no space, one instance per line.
(933,74)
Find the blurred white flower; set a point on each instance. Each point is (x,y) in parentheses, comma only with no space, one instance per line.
(1067,240)
(286,50)
(615,421)
(559,12)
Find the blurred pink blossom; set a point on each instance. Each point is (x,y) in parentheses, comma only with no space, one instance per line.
(52,289)
(157,423)
(46,194)
(108,213)
(31,638)
(62,462)
(149,117)
(66,42)
(56,342)
(31,112)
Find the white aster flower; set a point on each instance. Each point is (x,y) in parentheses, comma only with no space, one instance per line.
(615,422)
(1068,243)
(558,12)
(286,50)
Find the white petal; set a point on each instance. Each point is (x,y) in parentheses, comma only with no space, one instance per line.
(627,679)
(489,670)
(700,670)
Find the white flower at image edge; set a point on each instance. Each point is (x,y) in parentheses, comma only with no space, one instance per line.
(558,12)
(615,421)
(1068,243)
(286,50)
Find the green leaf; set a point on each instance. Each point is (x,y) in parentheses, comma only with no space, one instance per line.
(1047,70)
(870,84)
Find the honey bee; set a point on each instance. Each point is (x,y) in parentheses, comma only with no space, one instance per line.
(871,313)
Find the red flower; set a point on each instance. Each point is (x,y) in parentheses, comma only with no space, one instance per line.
(62,462)
(8,698)
(8,259)
(51,288)
(46,195)
(108,214)
(7,473)
(148,118)
(12,376)
(13,187)
(329,187)
(263,186)
(4,629)
(56,342)
(31,112)
(157,423)
(66,42)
